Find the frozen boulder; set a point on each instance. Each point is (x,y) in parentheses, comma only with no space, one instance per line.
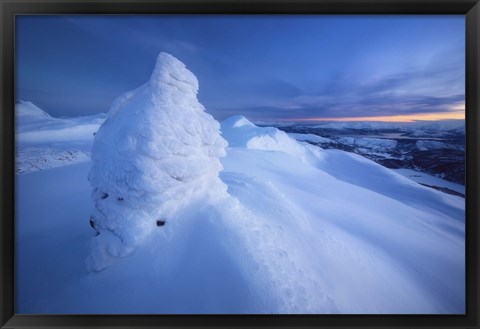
(156,150)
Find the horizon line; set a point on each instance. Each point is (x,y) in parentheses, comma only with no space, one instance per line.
(457,115)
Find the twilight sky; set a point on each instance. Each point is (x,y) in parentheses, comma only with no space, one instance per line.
(264,67)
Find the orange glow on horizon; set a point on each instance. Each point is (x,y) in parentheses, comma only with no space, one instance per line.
(457,114)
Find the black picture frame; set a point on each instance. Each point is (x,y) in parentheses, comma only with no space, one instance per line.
(10,8)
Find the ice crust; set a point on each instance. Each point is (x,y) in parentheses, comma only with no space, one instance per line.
(157,148)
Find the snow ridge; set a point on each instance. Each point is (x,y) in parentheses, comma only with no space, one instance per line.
(240,132)
(26,112)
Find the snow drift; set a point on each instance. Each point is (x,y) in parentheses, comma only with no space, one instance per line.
(240,132)
(43,141)
(328,233)
(284,227)
(157,148)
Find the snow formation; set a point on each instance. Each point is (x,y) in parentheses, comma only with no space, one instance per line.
(240,132)
(284,227)
(27,112)
(44,142)
(310,138)
(332,232)
(157,150)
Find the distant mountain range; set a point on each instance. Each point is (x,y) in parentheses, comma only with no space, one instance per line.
(437,148)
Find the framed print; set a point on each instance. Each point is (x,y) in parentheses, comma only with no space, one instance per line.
(227,163)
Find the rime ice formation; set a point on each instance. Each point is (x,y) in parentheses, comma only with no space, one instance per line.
(157,150)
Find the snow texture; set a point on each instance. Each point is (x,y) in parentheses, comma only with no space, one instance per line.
(31,159)
(44,142)
(430,180)
(266,225)
(330,233)
(310,138)
(240,132)
(156,150)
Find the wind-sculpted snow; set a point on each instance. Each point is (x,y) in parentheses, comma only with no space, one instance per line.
(374,177)
(265,225)
(328,233)
(279,268)
(310,138)
(157,150)
(356,216)
(240,132)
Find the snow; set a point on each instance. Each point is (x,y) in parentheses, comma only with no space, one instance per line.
(430,180)
(353,125)
(240,132)
(284,241)
(59,134)
(265,225)
(419,133)
(426,145)
(310,138)
(156,149)
(28,113)
(375,144)
(31,159)
(43,141)
(386,245)
(421,126)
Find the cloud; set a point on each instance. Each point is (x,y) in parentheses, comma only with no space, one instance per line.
(373,106)
(430,89)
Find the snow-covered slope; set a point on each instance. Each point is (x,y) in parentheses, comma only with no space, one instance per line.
(28,113)
(42,141)
(310,138)
(240,132)
(429,180)
(284,227)
(339,234)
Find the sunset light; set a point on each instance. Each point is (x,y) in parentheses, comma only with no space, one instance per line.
(453,115)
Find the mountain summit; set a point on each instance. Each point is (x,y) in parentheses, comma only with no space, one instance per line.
(169,70)
(27,112)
